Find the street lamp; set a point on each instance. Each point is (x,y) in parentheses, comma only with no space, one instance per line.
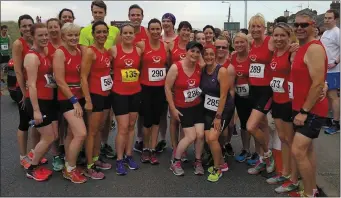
(228,19)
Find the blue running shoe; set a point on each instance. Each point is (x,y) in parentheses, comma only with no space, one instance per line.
(243,156)
(120,168)
(253,160)
(331,130)
(129,161)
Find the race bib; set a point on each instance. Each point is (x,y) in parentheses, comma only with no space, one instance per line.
(277,85)
(156,74)
(291,90)
(256,70)
(130,75)
(50,81)
(192,94)
(106,83)
(4,47)
(211,102)
(242,90)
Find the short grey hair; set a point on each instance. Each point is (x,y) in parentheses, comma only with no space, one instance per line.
(67,27)
(307,13)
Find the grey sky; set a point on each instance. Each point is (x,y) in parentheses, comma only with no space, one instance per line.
(198,13)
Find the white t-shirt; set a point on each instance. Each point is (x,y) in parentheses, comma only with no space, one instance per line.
(331,41)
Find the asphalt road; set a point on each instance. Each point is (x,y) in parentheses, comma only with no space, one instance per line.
(147,181)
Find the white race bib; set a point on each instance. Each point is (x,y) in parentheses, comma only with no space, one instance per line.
(242,90)
(106,83)
(277,85)
(50,81)
(4,47)
(156,74)
(291,90)
(256,70)
(211,102)
(192,94)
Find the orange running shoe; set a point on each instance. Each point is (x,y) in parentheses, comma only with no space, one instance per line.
(36,174)
(25,162)
(74,176)
(42,161)
(45,170)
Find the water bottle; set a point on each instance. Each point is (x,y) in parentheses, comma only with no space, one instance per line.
(32,122)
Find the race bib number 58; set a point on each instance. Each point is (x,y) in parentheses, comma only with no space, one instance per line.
(130,75)
(106,83)
(192,94)
(256,70)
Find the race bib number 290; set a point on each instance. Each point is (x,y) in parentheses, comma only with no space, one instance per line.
(256,70)
(156,74)
(192,94)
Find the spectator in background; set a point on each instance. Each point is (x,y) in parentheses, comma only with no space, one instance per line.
(245,31)
(317,33)
(217,32)
(270,30)
(226,33)
(5,42)
(281,19)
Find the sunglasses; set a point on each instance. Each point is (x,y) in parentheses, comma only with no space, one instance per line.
(220,47)
(303,25)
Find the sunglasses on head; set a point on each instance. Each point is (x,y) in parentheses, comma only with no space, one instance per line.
(220,47)
(303,25)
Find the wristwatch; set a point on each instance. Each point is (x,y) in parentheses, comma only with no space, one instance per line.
(336,63)
(302,111)
(218,116)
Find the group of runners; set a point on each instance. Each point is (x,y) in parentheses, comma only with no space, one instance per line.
(72,82)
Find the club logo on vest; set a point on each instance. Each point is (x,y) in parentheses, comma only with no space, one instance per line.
(128,62)
(107,62)
(239,74)
(273,65)
(78,67)
(156,59)
(191,82)
(182,56)
(253,57)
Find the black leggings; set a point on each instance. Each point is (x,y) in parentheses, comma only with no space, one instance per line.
(23,115)
(153,101)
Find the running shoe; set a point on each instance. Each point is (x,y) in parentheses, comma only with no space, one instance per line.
(36,174)
(278,179)
(145,157)
(332,130)
(243,156)
(229,150)
(94,173)
(259,167)
(287,186)
(120,168)
(42,161)
(74,176)
(129,161)
(198,169)
(161,146)
(184,157)
(270,163)
(223,167)
(153,158)
(176,168)
(45,170)
(25,162)
(215,175)
(138,147)
(108,151)
(102,165)
(301,194)
(57,163)
(253,160)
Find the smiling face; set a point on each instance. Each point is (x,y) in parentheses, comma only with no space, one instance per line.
(240,44)
(209,34)
(135,17)
(200,38)
(281,38)
(209,56)
(98,13)
(222,48)
(71,37)
(128,34)
(41,37)
(167,25)
(53,28)
(303,27)
(25,26)
(67,17)
(100,34)
(185,33)
(193,54)
(155,30)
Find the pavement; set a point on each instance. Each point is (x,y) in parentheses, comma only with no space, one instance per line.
(152,180)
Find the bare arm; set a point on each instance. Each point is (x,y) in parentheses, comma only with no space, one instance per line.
(315,60)
(224,87)
(170,79)
(31,64)
(59,72)
(231,73)
(83,49)
(169,53)
(87,59)
(18,64)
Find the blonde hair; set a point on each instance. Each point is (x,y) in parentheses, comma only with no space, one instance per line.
(257,19)
(67,27)
(243,36)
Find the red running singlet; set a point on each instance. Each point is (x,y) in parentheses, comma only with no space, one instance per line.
(242,75)
(44,92)
(51,50)
(178,54)
(126,72)
(100,81)
(25,49)
(72,73)
(260,57)
(141,36)
(227,62)
(153,65)
(302,81)
(186,88)
(280,71)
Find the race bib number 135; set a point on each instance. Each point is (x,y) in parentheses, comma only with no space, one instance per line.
(130,75)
